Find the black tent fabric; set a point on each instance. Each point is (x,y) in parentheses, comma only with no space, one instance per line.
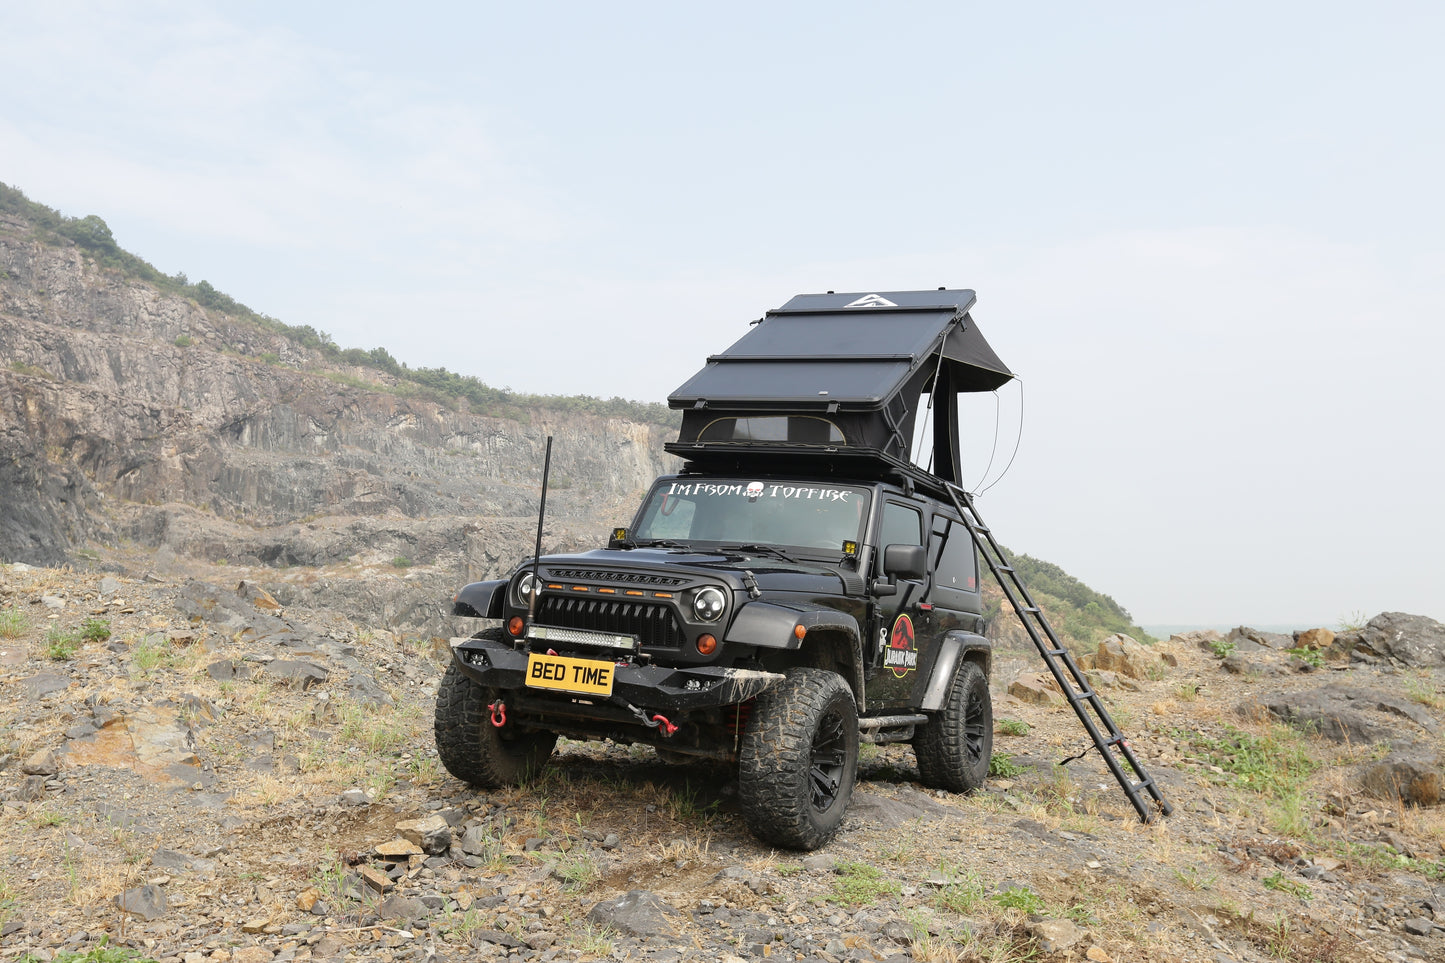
(847,371)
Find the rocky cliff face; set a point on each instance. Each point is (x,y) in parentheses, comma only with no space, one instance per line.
(133,420)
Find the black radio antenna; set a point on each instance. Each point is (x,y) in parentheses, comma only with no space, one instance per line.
(541,514)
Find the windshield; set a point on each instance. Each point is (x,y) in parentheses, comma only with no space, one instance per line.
(800,514)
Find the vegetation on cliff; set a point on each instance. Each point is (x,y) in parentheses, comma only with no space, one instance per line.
(93,236)
(1074,609)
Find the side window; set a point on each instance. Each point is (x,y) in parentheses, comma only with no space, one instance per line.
(901,526)
(955,565)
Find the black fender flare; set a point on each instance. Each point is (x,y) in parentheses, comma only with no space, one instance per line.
(771,625)
(480,600)
(952,648)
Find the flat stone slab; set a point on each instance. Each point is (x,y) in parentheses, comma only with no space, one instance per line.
(44,684)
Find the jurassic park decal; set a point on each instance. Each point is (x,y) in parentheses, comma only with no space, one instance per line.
(901,655)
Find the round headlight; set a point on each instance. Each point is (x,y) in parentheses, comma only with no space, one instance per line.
(708,604)
(526,585)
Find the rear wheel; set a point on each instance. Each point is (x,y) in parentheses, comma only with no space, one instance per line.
(954,748)
(474,750)
(798,759)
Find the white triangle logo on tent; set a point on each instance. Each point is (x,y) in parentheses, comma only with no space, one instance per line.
(871,301)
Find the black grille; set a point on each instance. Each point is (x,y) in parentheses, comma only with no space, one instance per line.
(652,622)
(631,578)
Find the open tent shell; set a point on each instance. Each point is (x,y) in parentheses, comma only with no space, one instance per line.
(841,375)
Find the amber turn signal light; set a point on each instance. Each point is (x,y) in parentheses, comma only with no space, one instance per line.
(707,644)
(799,632)
(515,625)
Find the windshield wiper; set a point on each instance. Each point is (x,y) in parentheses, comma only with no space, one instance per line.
(772,550)
(658,543)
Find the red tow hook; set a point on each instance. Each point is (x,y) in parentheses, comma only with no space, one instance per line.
(498,710)
(662,723)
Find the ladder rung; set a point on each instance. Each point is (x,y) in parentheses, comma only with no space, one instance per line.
(1057,652)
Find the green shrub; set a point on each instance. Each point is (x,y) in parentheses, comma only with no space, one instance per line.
(13,623)
(1002,766)
(61,646)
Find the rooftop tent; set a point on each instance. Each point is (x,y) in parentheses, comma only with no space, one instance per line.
(844,374)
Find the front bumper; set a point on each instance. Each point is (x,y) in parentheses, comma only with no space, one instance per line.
(497,665)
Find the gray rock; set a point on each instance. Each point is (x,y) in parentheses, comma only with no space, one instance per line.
(148,902)
(43,684)
(1419,926)
(497,938)
(1410,775)
(396,907)
(1339,713)
(636,913)
(1416,640)
(1246,639)
(109,585)
(222,671)
(41,763)
(884,812)
(302,674)
(1057,935)
(476,841)
(355,797)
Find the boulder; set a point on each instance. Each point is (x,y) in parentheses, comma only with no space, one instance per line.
(1314,639)
(1344,713)
(1410,775)
(148,902)
(1415,640)
(1122,654)
(433,834)
(636,913)
(1036,688)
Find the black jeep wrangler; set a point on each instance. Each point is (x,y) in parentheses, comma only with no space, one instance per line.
(804,583)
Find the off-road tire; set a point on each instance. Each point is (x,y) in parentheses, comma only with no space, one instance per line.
(798,759)
(954,748)
(474,750)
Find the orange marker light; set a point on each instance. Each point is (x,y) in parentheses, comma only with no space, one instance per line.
(579,588)
(515,625)
(707,644)
(662,595)
(606,591)
(635,592)
(799,632)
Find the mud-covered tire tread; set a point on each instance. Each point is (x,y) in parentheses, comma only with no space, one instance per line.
(471,748)
(775,759)
(942,747)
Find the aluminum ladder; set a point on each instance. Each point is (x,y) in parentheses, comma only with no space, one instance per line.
(1087,705)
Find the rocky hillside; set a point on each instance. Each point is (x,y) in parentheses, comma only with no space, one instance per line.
(152,425)
(196,772)
(134,421)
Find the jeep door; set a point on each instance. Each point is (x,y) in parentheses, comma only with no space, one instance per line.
(893,645)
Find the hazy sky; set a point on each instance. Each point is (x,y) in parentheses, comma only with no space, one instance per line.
(1211,238)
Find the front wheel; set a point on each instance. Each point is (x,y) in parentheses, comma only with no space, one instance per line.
(798,759)
(954,748)
(474,750)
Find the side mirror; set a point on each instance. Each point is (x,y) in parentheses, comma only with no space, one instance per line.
(904,561)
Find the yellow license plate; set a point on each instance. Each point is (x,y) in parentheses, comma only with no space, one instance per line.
(569,675)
